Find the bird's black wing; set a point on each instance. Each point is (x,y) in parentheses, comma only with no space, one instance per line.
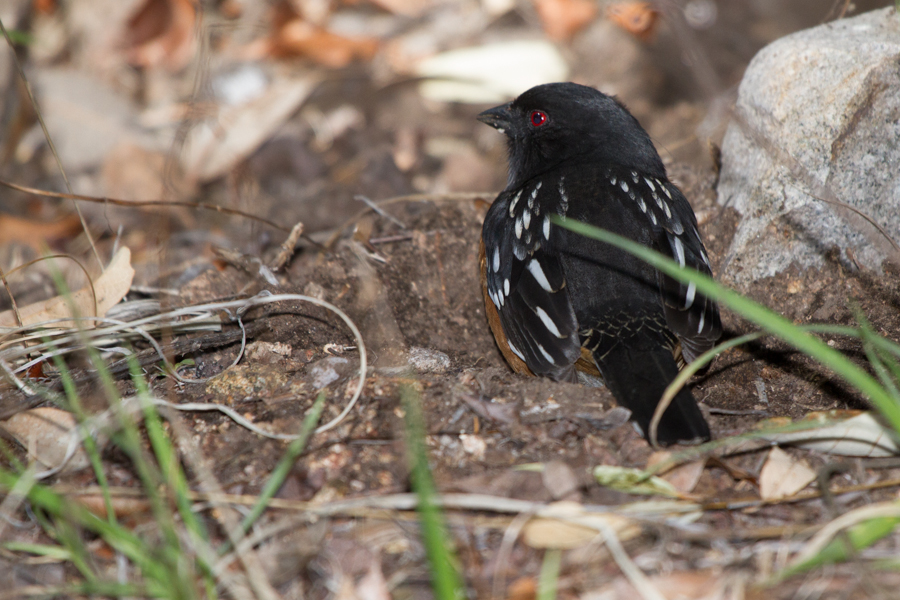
(691,316)
(526,282)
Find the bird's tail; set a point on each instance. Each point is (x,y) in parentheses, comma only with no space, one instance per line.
(637,377)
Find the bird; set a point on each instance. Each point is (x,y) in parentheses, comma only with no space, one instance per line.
(567,307)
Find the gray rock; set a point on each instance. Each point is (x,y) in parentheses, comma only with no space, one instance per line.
(424,360)
(827,100)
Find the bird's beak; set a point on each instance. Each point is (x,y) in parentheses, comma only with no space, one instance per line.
(499,117)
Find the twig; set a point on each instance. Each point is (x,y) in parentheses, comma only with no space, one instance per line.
(144,203)
(287,248)
(365,200)
(40,118)
(629,569)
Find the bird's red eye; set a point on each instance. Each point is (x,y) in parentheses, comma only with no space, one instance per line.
(538,118)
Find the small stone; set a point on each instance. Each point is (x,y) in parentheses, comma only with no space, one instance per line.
(424,360)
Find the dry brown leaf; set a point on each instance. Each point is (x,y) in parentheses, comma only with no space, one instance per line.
(562,19)
(214,147)
(523,588)
(683,585)
(161,34)
(783,476)
(37,233)
(44,7)
(122,507)
(637,18)
(294,36)
(110,287)
(44,432)
(683,477)
(573,527)
(407,8)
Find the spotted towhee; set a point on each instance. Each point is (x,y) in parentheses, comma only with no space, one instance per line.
(568,307)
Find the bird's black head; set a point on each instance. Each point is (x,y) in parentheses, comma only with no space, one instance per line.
(558,122)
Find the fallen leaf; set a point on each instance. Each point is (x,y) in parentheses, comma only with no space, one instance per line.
(85,117)
(44,7)
(562,19)
(161,34)
(559,479)
(109,288)
(373,585)
(783,476)
(122,507)
(567,525)
(844,433)
(523,588)
(214,146)
(492,72)
(292,35)
(46,434)
(37,233)
(637,18)
(407,8)
(555,533)
(684,476)
(683,585)
(633,481)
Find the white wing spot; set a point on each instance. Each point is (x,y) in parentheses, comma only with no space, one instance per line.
(624,185)
(650,185)
(679,251)
(548,322)
(668,212)
(641,204)
(515,350)
(534,267)
(506,287)
(652,217)
(546,228)
(689,296)
(702,321)
(534,194)
(512,205)
(526,219)
(634,176)
(677,228)
(613,180)
(497,259)
(666,190)
(546,354)
(564,204)
(519,228)
(519,251)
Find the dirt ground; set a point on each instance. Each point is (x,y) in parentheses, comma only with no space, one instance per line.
(408,279)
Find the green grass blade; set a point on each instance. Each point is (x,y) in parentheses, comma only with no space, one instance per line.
(117,537)
(280,473)
(90,445)
(859,537)
(445,580)
(548,580)
(763,317)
